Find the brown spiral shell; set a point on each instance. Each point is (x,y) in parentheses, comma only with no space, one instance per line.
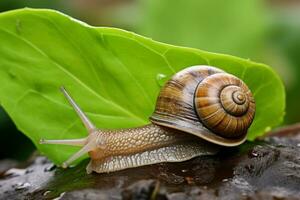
(225,105)
(206,102)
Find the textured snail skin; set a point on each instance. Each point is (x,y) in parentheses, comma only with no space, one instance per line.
(145,145)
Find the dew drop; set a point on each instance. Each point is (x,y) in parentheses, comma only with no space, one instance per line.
(253,154)
(267,129)
(161,79)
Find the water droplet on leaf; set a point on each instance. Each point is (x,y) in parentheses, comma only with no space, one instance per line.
(161,79)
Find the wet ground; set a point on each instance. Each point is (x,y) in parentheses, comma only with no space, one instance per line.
(265,169)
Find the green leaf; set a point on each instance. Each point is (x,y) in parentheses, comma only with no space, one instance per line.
(111,73)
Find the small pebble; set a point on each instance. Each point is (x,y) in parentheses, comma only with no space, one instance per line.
(46,193)
(28,171)
(49,168)
(15,172)
(21,186)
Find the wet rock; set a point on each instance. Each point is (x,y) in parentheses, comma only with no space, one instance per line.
(7,164)
(265,169)
(141,190)
(90,194)
(15,172)
(21,186)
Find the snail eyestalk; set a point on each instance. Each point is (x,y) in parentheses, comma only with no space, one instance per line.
(85,120)
(87,143)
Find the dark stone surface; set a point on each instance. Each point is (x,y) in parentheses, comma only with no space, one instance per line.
(265,169)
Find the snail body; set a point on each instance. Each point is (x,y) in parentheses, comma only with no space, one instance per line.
(198,109)
(145,145)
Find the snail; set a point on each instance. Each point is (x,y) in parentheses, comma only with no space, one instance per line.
(198,110)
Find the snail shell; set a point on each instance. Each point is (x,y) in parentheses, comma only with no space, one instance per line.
(199,107)
(206,102)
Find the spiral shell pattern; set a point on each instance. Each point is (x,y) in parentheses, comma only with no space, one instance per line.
(225,105)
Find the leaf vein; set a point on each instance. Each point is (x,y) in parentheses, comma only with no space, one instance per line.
(59,66)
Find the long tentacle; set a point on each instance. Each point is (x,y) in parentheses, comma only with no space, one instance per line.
(85,120)
(72,142)
(88,147)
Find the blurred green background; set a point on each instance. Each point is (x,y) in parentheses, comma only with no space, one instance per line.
(265,31)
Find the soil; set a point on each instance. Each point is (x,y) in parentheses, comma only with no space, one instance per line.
(268,168)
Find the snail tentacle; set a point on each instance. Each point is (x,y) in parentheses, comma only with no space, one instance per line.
(71,142)
(91,145)
(85,120)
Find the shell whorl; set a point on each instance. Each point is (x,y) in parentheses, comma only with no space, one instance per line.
(207,102)
(225,105)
